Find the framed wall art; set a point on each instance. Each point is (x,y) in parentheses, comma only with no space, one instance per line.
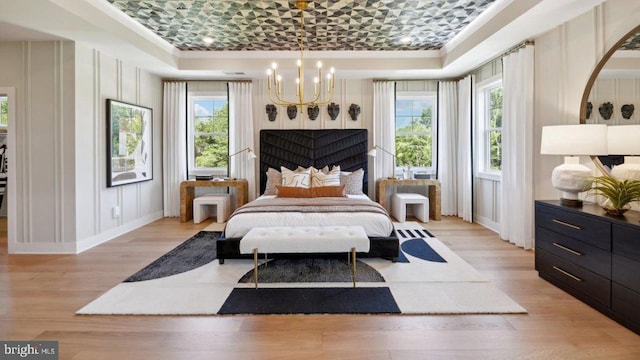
(129,143)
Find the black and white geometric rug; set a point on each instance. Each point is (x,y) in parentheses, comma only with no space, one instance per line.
(428,279)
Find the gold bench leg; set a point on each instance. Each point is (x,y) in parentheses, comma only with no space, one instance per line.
(353,265)
(255,266)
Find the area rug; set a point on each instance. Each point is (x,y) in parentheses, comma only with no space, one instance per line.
(428,279)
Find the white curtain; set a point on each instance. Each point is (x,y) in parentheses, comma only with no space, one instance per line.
(448,146)
(465,175)
(516,205)
(241,133)
(174,152)
(384,133)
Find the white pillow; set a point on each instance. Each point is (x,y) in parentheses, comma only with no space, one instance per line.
(298,178)
(331,178)
(352,181)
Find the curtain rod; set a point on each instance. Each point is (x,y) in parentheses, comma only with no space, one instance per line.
(517,47)
(509,51)
(192,80)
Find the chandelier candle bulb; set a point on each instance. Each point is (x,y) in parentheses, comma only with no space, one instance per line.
(279,84)
(269,79)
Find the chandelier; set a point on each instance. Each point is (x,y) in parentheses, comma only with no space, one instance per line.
(274,80)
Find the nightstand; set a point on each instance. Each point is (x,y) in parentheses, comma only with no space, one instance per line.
(383,195)
(187,193)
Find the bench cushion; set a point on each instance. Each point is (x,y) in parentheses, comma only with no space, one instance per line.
(305,239)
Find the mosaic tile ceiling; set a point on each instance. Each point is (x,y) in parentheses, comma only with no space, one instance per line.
(632,44)
(329,24)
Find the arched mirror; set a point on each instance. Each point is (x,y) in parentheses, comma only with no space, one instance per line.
(612,94)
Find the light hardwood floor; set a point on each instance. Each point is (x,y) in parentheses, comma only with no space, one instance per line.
(39,295)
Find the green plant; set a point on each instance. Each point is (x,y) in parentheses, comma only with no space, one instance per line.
(619,193)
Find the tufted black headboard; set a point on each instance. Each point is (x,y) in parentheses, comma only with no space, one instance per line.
(292,148)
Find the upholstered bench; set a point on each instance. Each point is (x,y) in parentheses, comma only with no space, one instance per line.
(304,239)
(201,206)
(400,202)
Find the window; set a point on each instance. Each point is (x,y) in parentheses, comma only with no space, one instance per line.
(494,127)
(415,132)
(208,147)
(4,112)
(490,128)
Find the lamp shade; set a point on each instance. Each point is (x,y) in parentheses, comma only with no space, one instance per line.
(579,139)
(624,140)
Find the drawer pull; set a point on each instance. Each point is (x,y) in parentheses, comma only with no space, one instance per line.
(567,224)
(567,249)
(567,273)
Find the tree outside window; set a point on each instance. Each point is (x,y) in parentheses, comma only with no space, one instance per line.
(494,128)
(414,131)
(4,111)
(210,120)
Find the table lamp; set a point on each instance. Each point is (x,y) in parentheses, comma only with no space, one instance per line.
(250,156)
(625,140)
(373,152)
(571,178)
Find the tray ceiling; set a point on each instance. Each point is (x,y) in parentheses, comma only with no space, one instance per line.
(330,25)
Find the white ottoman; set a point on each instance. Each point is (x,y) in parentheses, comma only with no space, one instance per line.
(400,202)
(305,239)
(202,205)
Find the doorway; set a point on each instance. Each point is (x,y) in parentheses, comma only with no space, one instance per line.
(7,176)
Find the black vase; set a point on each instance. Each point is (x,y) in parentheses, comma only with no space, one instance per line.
(333,109)
(313,112)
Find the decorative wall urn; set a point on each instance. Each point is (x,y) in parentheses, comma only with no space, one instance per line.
(333,109)
(272,111)
(354,111)
(606,110)
(313,112)
(292,111)
(627,110)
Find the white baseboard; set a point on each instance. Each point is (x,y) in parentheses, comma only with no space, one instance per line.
(488,223)
(84,244)
(42,248)
(95,240)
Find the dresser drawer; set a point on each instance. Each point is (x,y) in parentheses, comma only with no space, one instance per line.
(566,274)
(626,241)
(624,303)
(626,272)
(578,252)
(587,229)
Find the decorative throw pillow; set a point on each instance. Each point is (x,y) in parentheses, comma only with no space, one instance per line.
(296,178)
(293,192)
(331,178)
(352,181)
(274,178)
(328,191)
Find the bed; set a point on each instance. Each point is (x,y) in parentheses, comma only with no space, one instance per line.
(319,149)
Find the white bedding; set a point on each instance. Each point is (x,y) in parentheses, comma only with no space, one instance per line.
(375,225)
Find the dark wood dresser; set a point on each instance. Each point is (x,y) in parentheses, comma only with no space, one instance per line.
(592,256)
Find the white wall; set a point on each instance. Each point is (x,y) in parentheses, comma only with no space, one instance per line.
(63,205)
(98,78)
(346,92)
(564,60)
(42,73)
